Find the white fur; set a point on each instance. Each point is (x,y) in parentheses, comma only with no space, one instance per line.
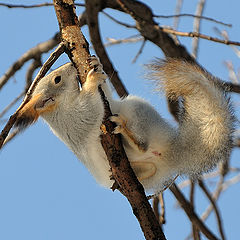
(202,139)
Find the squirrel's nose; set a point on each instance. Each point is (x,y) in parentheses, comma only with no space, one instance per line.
(37,105)
(28,114)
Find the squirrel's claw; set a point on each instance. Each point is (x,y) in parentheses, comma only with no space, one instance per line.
(95,76)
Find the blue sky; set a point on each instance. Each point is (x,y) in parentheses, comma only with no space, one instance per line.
(45,192)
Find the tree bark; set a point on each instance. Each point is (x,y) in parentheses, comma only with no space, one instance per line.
(77,49)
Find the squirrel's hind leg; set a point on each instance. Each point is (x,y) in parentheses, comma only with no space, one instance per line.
(144,170)
(122,128)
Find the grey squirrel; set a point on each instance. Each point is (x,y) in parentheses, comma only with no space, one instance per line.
(156,150)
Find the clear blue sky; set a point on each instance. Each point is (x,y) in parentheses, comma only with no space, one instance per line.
(45,192)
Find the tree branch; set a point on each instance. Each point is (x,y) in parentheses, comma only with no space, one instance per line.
(186,206)
(92,8)
(219,220)
(199,35)
(196,27)
(4,111)
(117,21)
(195,230)
(178,9)
(121,170)
(33,5)
(75,43)
(194,16)
(128,182)
(32,53)
(151,31)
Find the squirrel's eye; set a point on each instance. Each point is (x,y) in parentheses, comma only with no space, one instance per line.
(57,79)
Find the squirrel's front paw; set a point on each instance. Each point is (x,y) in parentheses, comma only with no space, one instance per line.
(96,74)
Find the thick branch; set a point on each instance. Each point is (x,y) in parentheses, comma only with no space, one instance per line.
(121,170)
(76,45)
(128,182)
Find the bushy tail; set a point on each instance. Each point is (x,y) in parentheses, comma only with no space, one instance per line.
(206,124)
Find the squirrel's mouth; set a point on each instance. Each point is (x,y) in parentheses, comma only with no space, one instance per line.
(38,105)
(44,103)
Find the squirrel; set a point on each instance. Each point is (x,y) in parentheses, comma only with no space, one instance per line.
(156,150)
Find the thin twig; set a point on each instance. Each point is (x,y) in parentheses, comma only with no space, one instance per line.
(186,206)
(206,176)
(214,205)
(139,51)
(215,196)
(194,16)
(46,66)
(117,21)
(230,182)
(199,35)
(33,5)
(231,73)
(151,31)
(224,34)
(221,187)
(133,39)
(32,53)
(177,13)
(25,6)
(192,191)
(29,76)
(11,104)
(155,206)
(160,36)
(195,231)
(162,212)
(196,27)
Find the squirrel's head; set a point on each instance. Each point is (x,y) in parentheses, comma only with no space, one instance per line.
(58,87)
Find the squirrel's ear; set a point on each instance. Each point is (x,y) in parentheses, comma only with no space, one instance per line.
(144,170)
